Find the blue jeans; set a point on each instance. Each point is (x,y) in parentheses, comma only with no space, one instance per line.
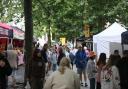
(92,83)
(54,67)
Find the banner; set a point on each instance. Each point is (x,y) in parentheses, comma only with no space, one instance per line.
(63,40)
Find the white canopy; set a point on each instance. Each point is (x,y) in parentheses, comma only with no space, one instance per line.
(104,38)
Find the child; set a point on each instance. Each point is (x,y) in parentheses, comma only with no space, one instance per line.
(5,70)
(91,70)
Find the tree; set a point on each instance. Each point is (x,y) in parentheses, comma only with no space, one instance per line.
(28,33)
(99,12)
(10,9)
(65,17)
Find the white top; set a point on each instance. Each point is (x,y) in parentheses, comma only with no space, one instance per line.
(54,58)
(12,58)
(110,78)
(68,80)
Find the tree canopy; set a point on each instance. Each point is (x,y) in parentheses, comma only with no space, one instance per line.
(67,17)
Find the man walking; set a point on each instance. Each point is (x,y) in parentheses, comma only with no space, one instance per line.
(81,62)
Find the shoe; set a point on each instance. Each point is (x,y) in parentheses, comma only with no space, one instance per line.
(86,84)
(81,84)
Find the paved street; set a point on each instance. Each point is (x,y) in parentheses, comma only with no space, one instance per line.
(20,78)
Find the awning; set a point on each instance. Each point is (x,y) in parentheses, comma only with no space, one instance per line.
(5,26)
(11,31)
(17,33)
(5,30)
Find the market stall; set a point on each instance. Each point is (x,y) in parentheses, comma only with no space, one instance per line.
(109,39)
(6,34)
(18,37)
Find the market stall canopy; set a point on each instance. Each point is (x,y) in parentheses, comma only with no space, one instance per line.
(109,35)
(17,33)
(5,26)
(5,30)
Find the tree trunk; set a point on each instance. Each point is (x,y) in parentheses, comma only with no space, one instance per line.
(49,32)
(28,33)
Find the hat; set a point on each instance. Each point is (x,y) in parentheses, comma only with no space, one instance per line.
(91,54)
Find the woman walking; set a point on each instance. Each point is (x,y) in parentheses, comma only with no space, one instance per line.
(100,64)
(63,78)
(110,78)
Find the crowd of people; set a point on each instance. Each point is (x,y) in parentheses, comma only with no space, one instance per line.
(10,60)
(102,72)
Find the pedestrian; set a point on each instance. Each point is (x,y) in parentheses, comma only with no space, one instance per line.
(66,51)
(44,52)
(91,70)
(20,56)
(63,78)
(116,52)
(60,55)
(110,78)
(44,55)
(81,63)
(123,70)
(72,58)
(5,71)
(100,64)
(49,56)
(54,60)
(36,70)
(12,58)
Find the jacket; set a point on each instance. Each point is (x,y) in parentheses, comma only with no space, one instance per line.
(61,55)
(12,58)
(110,78)
(91,69)
(68,80)
(4,72)
(123,71)
(80,59)
(36,66)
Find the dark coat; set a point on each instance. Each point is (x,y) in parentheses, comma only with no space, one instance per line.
(36,66)
(4,72)
(44,55)
(61,55)
(123,71)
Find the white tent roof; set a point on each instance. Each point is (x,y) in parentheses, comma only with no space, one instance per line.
(114,30)
(111,34)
